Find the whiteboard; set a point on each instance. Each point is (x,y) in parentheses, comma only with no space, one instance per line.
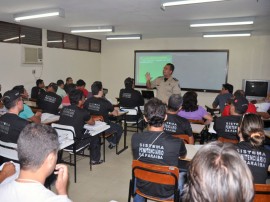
(199,70)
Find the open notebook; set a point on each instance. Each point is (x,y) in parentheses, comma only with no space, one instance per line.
(98,125)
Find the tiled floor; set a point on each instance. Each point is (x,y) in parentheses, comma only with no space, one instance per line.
(107,181)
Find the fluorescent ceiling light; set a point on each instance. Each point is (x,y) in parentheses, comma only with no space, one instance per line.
(93,29)
(57,41)
(118,37)
(221,24)
(14,38)
(165,3)
(229,34)
(39,14)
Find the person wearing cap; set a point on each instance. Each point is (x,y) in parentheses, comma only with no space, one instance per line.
(81,86)
(60,90)
(27,112)
(10,123)
(227,126)
(98,105)
(130,98)
(166,85)
(224,95)
(49,101)
(38,89)
(251,106)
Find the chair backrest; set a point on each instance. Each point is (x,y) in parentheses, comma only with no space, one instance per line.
(97,117)
(262,192)
(9,150)
(224,140)
(184,137)
(167,175)
(196,121)
(131,111)
(64,130)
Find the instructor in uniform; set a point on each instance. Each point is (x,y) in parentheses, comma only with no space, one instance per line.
(166,85)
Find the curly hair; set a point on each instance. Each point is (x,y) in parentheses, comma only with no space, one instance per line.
(190,101)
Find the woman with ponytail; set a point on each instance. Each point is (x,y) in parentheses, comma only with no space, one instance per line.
(251,147)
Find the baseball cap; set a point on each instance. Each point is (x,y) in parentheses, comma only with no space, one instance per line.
(9,97)
(240,103)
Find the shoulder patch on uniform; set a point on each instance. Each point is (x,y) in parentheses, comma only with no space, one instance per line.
(175,79)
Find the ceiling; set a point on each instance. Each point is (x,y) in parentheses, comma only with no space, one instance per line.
(141,16)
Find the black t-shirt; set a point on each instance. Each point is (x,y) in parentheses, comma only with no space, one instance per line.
(74,116)
(99,106)
(49,102)
(129,97)
(177,125)
(11,126)
(165,150)
(227,126)
(257,159)
(36,92)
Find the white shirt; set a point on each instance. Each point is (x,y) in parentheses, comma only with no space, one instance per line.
(29,192)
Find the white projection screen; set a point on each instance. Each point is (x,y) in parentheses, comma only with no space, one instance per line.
(198,70)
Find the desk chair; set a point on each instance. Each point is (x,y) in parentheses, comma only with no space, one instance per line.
(104,134)
(163,175)
(262,192)
(223,139)
(70,132)
(199,136)
(132,118)
(184,137)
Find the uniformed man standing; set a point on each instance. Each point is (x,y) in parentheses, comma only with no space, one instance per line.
(166,85)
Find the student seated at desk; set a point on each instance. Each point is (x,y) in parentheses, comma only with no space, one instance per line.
(98,105)
(69,88)
(38,89)
(10,123)
(251,147)
(49,101)
(81,86)
(251,107)
(192,111)
(223,96)
(37,152)
(156,147)
(176,124)
(227,126)
(60,90)
(75,116)
(69,80)
(27,112)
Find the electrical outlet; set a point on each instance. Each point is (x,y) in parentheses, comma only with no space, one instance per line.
(33,71)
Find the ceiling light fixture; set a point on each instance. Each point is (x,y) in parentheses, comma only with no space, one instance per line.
(39,14)
(165,3)
(93,29)
(14,38)
(119,37)
(227,34)
(213,24)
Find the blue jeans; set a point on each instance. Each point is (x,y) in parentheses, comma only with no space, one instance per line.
(181,182)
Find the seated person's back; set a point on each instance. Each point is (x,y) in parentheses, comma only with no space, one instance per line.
(10,123)
(49,101)
(156,147)
(251,147)
(190,110)
(174,123)
(224,95)
(227,126)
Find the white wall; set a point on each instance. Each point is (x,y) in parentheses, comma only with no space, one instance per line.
(57,64)
(248,58)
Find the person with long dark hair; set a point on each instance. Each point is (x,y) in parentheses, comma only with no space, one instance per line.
(192,111)
(251,147)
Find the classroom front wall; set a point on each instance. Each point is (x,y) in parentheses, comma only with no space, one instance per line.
(249,58)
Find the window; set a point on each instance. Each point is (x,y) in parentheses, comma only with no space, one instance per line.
(83,43)
(54,39)
(13,33)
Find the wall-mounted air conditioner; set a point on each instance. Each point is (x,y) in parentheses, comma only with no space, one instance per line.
(32,55)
